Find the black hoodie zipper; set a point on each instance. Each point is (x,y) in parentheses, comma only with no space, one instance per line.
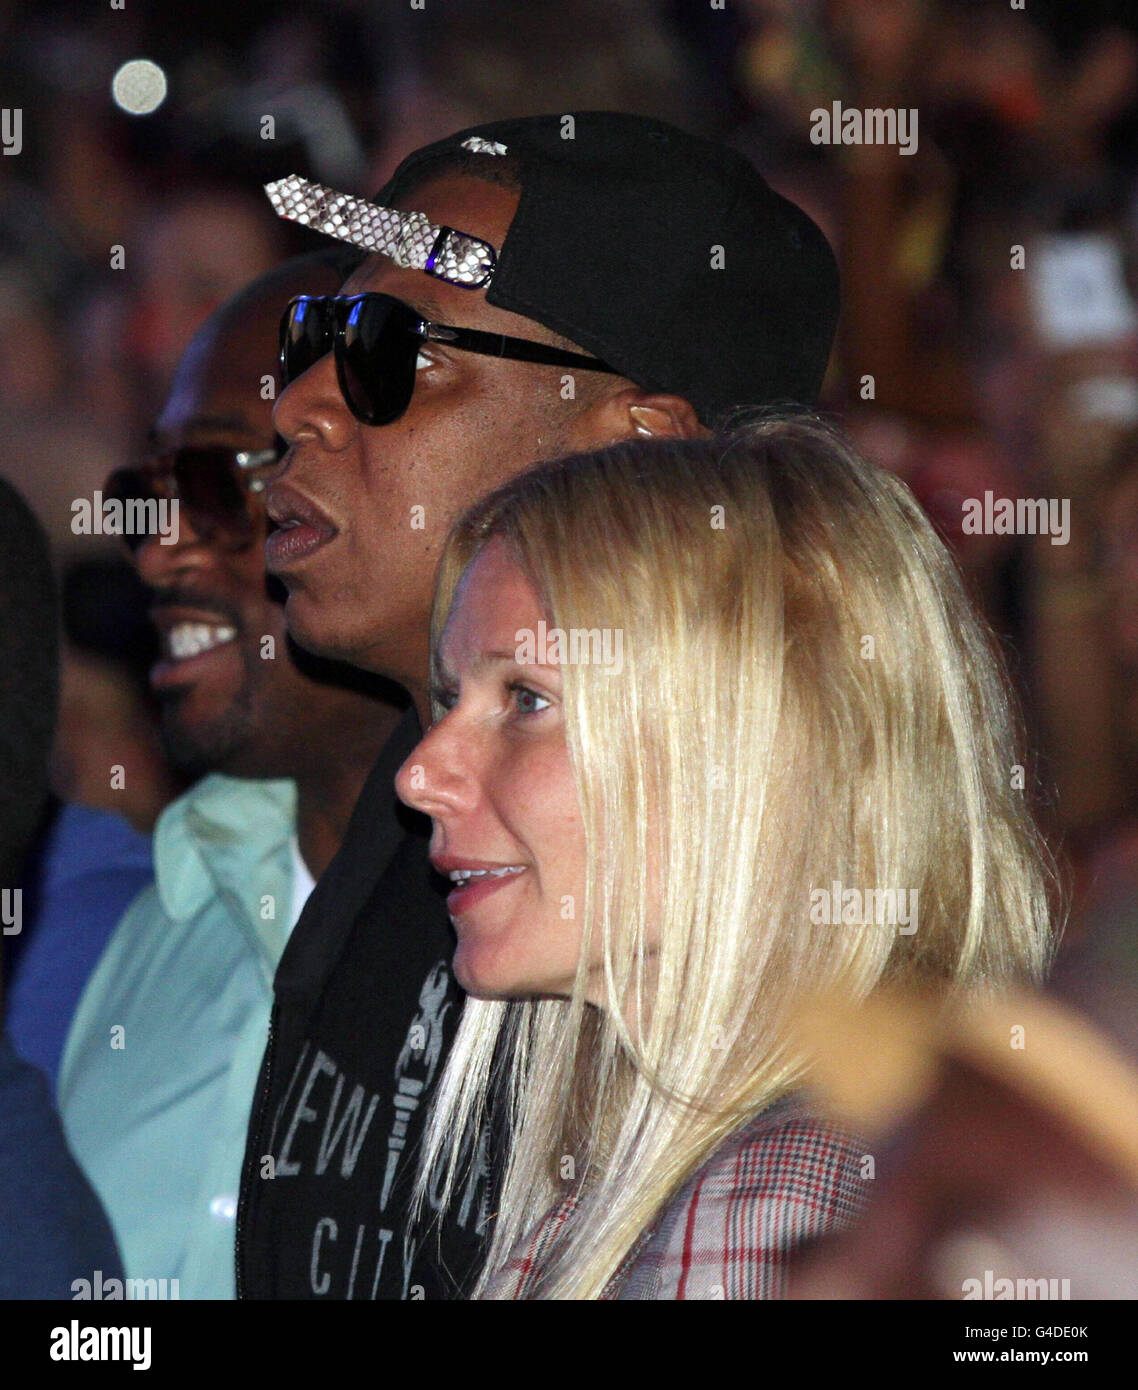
(245,1194)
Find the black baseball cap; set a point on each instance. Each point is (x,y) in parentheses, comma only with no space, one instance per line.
(666,255)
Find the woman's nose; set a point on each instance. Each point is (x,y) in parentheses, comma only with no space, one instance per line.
(437,777)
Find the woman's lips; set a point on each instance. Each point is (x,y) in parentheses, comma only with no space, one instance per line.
(463,899)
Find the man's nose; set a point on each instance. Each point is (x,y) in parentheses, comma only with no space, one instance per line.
(158,562)
(312,408)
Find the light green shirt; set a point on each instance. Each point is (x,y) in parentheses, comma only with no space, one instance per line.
(163,1054)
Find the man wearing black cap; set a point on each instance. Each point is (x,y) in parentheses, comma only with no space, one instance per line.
(537,287)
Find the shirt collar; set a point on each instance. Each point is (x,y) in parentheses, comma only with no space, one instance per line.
(226,836)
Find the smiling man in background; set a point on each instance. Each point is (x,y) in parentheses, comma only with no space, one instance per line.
(161,1060)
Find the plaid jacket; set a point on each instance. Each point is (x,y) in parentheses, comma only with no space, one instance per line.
(730,1232)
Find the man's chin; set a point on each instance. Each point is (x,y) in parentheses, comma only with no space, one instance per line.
(197,746)
(314,630)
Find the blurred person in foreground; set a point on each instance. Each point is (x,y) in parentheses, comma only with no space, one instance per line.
(1006,1138)
(54,1231)
(630,280)
(161,1060)
(667,828)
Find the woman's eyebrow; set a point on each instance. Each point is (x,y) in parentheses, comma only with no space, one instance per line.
(444,672)
(490,658)
(493,657)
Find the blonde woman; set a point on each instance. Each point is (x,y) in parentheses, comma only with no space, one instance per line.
(768,689)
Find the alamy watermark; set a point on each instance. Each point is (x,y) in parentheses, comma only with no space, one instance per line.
(577,646)
(12,911)
(97,1289)
(838,125)
(134,516)
(874,907)
(77,1343)
(1023,516)
(12,129)
(990,1287)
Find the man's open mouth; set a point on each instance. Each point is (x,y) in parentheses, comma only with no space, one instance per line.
(187,631)
(301,528)
(191,639)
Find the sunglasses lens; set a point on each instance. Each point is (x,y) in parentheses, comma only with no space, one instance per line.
(208,485)
(305,336)
(376,358)
(129,485)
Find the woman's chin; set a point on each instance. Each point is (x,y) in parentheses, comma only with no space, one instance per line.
(477,979)
(482,979)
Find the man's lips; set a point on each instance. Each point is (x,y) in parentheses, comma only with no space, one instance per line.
(302,528)
(474,879)
(190,638)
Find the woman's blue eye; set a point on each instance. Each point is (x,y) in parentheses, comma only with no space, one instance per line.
(525,697)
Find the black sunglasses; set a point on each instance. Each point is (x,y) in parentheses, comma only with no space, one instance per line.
(376,341)
(213,483)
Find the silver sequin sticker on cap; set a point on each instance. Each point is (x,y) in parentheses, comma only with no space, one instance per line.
(476,145)
(411,239)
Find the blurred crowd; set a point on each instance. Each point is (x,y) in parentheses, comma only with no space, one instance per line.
(988,341)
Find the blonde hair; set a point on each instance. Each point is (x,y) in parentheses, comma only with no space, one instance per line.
(807,695)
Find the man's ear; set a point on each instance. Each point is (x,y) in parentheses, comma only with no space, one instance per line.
(631,414)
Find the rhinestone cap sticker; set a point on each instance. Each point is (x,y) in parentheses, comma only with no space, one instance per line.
(411,239)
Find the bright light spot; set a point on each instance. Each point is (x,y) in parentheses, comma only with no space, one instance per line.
(139,87)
